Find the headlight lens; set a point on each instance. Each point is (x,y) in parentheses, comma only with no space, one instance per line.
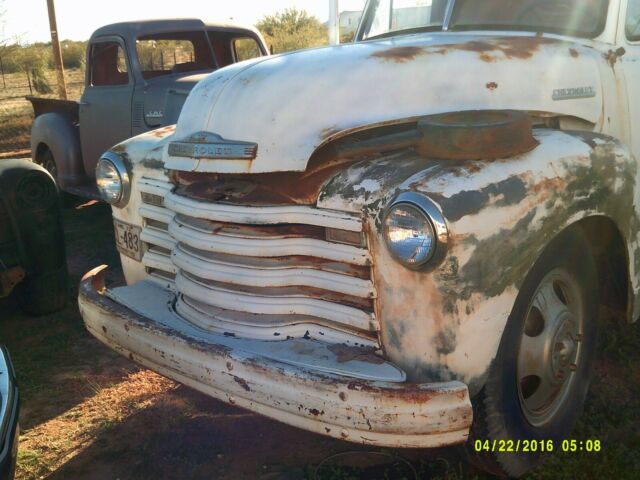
(112,180)
(409,234)
(416,231)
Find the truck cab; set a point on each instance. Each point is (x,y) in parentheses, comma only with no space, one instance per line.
(138,76)
(407,241)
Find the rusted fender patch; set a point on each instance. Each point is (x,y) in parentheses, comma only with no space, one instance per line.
(501,215)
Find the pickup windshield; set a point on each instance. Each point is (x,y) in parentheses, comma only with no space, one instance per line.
(581,18)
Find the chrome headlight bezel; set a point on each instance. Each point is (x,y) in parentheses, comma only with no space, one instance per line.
(436,219)
(120,168)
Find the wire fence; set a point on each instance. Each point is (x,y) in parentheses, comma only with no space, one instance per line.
(16,113)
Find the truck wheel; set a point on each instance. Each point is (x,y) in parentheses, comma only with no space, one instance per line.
(48,162)
(538,382)
(44,293)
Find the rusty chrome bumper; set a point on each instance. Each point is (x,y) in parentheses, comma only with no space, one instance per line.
(357,409)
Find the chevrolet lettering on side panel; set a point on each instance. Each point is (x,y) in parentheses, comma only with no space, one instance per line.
(406,241)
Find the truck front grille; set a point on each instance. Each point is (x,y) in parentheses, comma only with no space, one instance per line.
(259,272)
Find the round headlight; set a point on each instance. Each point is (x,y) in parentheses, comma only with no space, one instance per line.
(112,180)
(415,231)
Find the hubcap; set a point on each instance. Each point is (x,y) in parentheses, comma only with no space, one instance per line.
(50,166)
(550,350)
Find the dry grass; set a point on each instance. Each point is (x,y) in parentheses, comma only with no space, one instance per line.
(16,113)
(49,445)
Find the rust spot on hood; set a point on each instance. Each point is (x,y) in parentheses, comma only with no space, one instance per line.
(573,52)
(492,85)
(399,54)
(163,131)
(510,47)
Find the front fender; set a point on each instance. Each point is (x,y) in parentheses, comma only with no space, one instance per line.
(57,132)
(447,323)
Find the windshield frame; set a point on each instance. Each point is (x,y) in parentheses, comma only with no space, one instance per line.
(371,6)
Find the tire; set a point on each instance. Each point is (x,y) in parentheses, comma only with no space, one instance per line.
(45,293)
(48,162)
(506,408)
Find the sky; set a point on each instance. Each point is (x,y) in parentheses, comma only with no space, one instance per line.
(27,20)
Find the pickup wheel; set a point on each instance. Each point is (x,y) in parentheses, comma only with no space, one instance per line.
(538,382)
(48,162)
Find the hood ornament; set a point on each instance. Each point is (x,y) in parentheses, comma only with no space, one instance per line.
(213,146)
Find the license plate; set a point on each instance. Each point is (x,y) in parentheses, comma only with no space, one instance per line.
(128,239)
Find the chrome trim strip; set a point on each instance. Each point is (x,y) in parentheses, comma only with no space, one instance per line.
(258,247)
(223,212)
(275,305)
(158,214)
(155,236)
(154,187)
(159,261)
(213,146)
(260,277)
(218,320)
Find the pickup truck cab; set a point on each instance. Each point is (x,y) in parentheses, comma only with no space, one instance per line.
(403,242)
(138,76)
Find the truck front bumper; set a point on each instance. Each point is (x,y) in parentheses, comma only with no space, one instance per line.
(288,380)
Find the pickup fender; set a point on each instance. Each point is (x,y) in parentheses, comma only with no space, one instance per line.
(58,133)
(501,216)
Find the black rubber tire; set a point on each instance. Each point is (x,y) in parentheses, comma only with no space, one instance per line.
(497,412)
(45,293)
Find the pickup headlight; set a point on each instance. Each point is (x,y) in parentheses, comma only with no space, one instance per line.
(415,231)
(113,180)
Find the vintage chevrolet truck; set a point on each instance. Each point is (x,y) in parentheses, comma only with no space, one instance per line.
(407,241)
(137,78)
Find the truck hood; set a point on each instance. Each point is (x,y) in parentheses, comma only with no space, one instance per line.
(291,104)
(160,104)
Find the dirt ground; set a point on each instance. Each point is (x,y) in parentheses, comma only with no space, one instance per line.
(89,414)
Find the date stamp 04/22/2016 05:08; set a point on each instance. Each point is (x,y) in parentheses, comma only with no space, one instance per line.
(537,446)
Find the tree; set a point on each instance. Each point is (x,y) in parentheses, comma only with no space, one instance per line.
(292,29)
(73,54)
(34,62)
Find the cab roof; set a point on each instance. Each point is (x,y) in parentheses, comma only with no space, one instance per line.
(149,27)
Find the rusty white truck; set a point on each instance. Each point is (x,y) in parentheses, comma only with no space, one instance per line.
(138,76)
(406,241)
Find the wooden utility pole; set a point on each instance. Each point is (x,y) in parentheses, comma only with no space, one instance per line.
(4,83)
(57,55)
(334,23)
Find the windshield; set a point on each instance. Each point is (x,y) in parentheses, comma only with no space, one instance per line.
(582,18)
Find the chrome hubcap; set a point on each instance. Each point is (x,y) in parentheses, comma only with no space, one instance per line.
(50,166)
(550,350)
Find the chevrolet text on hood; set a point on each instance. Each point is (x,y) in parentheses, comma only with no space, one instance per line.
(403,241)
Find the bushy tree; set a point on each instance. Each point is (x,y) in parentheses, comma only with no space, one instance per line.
(34,61)
(292,29)
(73,54)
